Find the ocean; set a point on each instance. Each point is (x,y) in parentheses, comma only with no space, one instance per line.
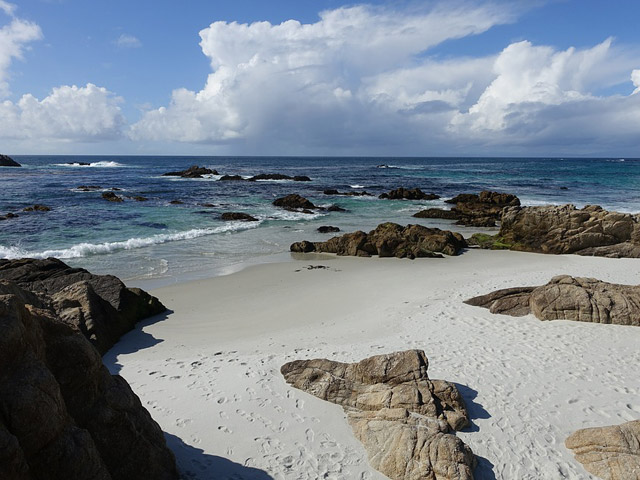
(156,242)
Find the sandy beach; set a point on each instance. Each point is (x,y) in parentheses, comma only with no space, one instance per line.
(209,371)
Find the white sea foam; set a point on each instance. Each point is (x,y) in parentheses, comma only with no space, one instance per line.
(104,164)
(87,249)
(356,186)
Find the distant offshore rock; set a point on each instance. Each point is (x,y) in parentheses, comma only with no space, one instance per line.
(612,453)
(481,210)
(352,193)
(64,416)
(405,420)
(390,240)
(279,176)
(192,172)
(37,208)
(568,298)
(554,229)
(408,194)
(112,197)
(7,161)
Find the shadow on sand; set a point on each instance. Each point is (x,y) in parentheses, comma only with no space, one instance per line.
(194,464)
(484,468)
(133,341)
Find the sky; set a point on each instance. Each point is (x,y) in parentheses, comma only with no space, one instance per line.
(321,77)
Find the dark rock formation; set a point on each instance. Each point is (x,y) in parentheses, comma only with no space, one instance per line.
(88,188)
(482,210)
(279,176)
(390,240)
(566,229)
(7,161)
(192,172)
(37,208)
(7,216)
(328,229)
(612,453)
(238,216)
(112,197)
(231,178)
(100,307)
(336,208)
(348,194)
(139,198)
(63,415)
(405,421)
(294,202)
(176,202)
(568,298)
(408,194)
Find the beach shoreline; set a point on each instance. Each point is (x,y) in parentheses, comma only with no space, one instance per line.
(208,371)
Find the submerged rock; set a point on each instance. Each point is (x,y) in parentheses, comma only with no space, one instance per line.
(352,193)
(7,161)
(100,307)
(390,240)
(409,194)
(611,453)
(238,216)
(37,208)
(404,420)
(64,415)
(112,197)
(568,298)
(192,172)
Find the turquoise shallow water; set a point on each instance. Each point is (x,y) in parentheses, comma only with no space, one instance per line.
(155,242)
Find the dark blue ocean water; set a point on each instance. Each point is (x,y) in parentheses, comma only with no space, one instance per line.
(164,242)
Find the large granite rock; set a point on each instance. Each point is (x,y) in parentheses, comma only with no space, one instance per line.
(100,307)
(566,229)
(63,416)
(7,161)
(568,298)
(390,240)
(404,420)
(408,194)
(294,202)
(611,453)
(192,172)
(482,210)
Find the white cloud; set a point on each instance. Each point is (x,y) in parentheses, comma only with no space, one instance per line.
(69,113)
(635,78)
(13,39)
(128,41)
(302,83)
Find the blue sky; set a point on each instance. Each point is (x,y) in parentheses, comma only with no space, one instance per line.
(377,78)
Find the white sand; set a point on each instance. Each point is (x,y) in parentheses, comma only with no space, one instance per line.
(209,373)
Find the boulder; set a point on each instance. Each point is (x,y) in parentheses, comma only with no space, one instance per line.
(405,421)
(238,216)
(327,229)
(192,172)
(7,161)
(112,197)
(231,178)
(279,176)
(37,208)
(409,194)
(100,307)
(437,213)
(392,240)
(566,229)
(63,414)
(294,202)
(611,453)
(568,298)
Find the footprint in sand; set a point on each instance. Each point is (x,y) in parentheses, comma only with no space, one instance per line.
(300,404)
(310,434)
(183,422)
(224,429)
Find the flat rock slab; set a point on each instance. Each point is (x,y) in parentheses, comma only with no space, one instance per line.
(405,421)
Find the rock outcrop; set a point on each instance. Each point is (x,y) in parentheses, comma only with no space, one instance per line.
(238,216)
(37,208)
(405,421)
(63,414)
(294,202)
(482,210)
(408,194)
(279,176)
(611,453)
(389,240)
(566,229)
(192,172)
(328,229)
(7,161)
(112,197)
(568,298)
(100,307)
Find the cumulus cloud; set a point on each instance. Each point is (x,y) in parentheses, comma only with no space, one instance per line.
(333,79)
(128,41)
(69,113)
(635,78)
(14,38)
